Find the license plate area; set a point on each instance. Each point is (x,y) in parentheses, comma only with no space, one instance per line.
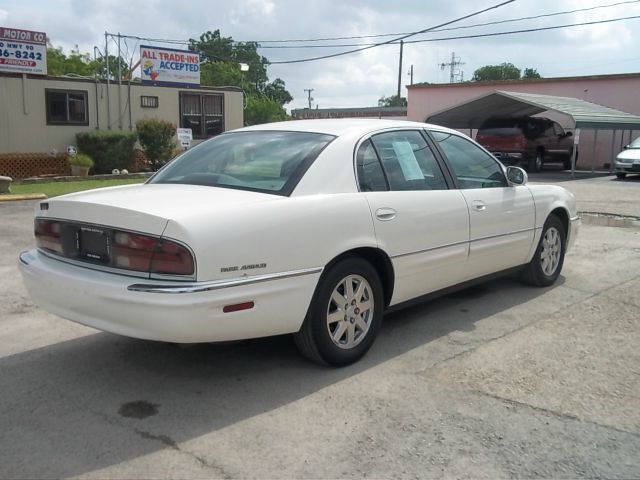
(94,244)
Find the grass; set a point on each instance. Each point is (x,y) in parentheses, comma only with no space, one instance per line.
(53,189)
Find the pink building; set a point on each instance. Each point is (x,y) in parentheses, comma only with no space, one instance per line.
(621,92)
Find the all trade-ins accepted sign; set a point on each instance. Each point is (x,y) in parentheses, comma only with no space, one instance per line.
(169,66)
(23,51)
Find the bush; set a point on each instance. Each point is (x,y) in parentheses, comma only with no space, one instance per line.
(157,138)
(109,149)
(81,160)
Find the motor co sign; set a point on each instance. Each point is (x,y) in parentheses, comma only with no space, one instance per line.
(23,51)
(169,66)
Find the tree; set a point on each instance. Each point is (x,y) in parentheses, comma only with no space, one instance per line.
(531,73)
(82,64)
(392,101)
(504,71)
(221,59)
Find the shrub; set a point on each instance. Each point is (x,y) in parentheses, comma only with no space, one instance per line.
(157,138)
(81,160)
(109,149)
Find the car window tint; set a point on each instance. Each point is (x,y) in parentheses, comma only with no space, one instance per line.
(558,129)
(408,162)
(370,175)
(472,166)
(263,161)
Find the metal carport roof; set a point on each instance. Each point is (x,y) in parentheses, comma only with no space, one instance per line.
(587,115)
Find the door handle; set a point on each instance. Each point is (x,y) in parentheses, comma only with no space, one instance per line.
(385,214)
(479,205)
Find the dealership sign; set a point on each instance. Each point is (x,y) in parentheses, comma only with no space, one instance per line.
(23,51)
(169,66)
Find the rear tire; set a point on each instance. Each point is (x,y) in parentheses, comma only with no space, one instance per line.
(344,316)
(621,175)
(536,163)
(545,266)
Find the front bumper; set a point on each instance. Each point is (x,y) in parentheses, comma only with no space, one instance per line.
(166,311)
(574,226)
(628,167)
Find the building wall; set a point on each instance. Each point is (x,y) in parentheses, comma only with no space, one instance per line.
(23,119)
(615,91)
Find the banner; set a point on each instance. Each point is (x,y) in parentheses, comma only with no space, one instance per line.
(169,66)
(23,51)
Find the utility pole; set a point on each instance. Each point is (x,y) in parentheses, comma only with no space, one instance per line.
(453,73)
(309,97)
(410,73)
(400,69)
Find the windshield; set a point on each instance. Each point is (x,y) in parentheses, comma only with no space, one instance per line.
(262,161)
(635,143)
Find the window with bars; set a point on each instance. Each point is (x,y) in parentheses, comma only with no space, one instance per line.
(147,101)
(67,107)
(202,113)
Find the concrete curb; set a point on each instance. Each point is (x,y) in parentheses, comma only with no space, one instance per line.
(14,197)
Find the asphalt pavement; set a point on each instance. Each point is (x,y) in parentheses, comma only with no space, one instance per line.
(497,381)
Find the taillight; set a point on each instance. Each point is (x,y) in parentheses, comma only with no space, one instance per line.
(125,250)
(135,251)
(48,235)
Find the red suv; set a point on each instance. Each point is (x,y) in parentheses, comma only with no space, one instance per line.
(527,141)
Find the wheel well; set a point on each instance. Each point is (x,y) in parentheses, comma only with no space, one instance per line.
(562,214)
(380,261)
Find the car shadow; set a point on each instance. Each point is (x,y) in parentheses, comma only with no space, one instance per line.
(96,401)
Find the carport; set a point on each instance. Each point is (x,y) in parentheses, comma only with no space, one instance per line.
(585,115)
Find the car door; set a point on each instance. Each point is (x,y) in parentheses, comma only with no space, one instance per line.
(561,145)
(420,222)
(502,217)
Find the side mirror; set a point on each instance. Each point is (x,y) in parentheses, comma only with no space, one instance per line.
(568,134)
(516,176)
(626,147)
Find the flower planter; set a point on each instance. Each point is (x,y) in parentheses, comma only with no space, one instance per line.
(78,171)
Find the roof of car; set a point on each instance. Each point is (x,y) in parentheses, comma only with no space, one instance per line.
(340,126)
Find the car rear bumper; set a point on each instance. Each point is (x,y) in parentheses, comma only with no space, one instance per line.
(155,310)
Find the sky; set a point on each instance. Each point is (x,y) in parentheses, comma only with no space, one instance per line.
(359,79)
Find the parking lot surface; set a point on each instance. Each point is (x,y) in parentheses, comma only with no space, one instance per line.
(500,380)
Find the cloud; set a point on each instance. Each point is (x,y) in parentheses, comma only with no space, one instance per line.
(361,78)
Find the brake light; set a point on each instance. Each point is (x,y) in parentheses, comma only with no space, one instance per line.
(119,249)
(135,251)
(48,235)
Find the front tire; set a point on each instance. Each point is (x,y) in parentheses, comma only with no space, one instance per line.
(344,316)
(546,264)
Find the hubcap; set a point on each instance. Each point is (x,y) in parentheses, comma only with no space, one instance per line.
(551,250)
(350,311)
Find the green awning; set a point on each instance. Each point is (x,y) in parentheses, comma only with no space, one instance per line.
(586,115)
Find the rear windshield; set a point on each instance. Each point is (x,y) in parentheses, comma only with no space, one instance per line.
(264,161)
(508,126)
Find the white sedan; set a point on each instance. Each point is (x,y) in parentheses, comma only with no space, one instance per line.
(308,227)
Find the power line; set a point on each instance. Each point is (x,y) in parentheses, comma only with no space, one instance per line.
(357,37)
(460,37)
(395,40)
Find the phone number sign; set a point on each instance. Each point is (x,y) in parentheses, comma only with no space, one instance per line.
(23,51)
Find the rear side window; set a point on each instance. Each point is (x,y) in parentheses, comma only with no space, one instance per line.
(370,175)
(262,161)
(408,162)
(472,166)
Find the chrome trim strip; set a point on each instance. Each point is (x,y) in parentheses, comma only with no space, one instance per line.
(21,257)
(460,243)
(503,234)
(400,255)
(575,219)
(219,284)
